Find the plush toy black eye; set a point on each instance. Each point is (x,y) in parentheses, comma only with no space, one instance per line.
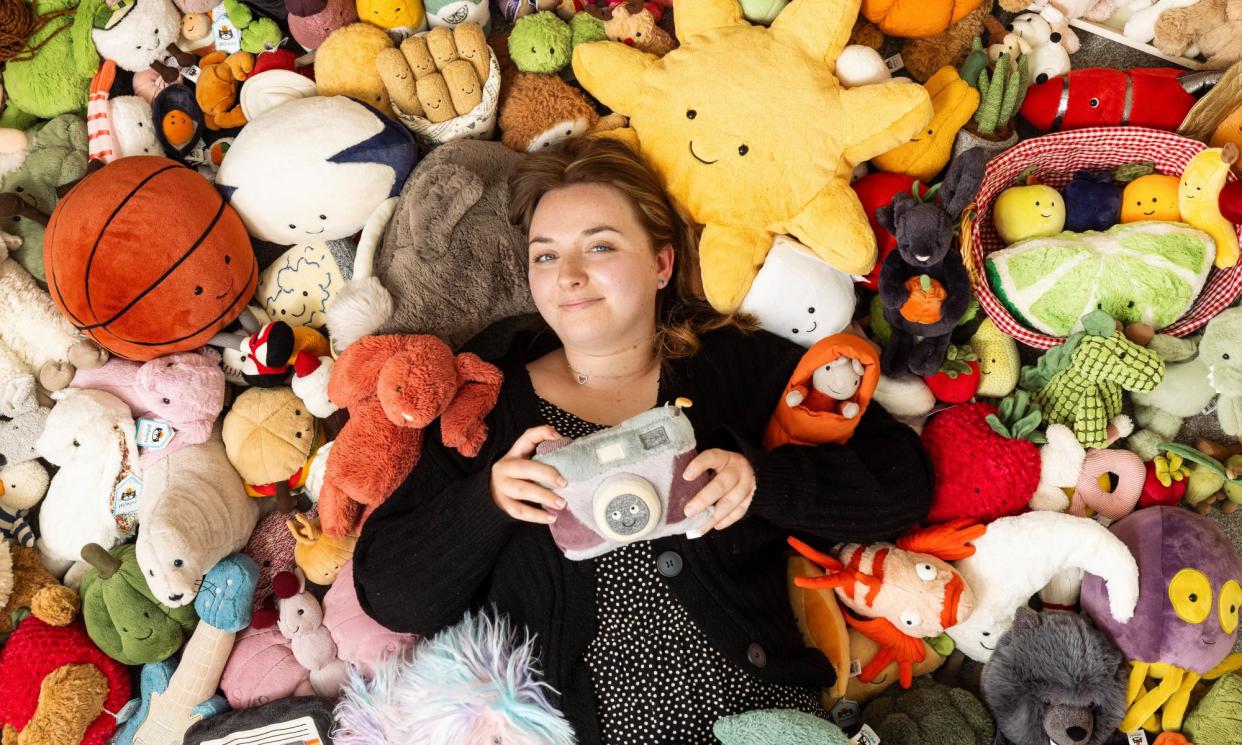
(297,412)
(166,400)
(305,293)
(292,226)
(691,114)
(1224,356)
(638,35)
(228,259)
(198,290)
(1095,103)
(810,310)
(323,217)
(1037,204)
(987,633)
(76,444)
(178,563)
(151,572)
(300,611)
(298,435)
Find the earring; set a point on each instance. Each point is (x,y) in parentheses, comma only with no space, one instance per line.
(660,282)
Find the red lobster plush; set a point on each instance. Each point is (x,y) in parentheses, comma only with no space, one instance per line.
(906,592)
(394,387)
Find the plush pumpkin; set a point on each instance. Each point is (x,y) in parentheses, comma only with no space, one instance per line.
(926,154)
(916,19)
(122,615)
(925,301)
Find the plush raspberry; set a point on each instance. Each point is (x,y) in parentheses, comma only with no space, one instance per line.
(981,474)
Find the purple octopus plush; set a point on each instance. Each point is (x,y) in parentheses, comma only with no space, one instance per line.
(1186,622)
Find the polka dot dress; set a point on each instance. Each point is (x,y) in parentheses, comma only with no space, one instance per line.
(657,678)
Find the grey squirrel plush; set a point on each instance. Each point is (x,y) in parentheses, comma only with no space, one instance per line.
(1055,678)
(926,235)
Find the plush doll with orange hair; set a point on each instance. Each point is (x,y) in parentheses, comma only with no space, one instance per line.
(394,387)
(903,593)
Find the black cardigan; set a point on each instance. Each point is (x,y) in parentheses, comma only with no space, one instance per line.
(439,546)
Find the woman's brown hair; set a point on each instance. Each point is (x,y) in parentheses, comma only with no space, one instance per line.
(681,315)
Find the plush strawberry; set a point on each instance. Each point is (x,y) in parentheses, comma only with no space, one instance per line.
(1167,479)
(958,377)
(986,460)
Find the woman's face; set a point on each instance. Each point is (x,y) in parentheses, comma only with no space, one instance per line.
(593,271)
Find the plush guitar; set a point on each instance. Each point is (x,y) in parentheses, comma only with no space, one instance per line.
(176,696)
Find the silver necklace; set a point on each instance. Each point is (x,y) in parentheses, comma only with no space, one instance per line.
(582,378)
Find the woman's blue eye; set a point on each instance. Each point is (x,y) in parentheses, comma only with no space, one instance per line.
(601,247)
(543,258)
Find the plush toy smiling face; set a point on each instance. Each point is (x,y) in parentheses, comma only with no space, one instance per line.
(1151,197)
(750,154)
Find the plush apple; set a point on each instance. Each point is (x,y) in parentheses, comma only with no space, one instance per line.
(1032,211)
(1231,202)
(958,378)
(1167,479)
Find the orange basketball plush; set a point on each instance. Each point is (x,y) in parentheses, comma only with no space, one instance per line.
(146,258)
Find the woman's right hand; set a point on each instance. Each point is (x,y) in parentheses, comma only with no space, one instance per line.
(516,480)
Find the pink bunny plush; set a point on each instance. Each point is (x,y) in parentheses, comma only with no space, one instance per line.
(301,622)
(185,390)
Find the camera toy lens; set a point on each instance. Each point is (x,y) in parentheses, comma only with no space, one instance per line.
(627,507)
(627,514)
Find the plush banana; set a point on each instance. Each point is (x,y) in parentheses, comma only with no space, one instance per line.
(1198,196)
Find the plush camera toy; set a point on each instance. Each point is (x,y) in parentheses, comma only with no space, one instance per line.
(625,483)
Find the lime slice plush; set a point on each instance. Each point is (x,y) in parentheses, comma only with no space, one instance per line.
(1140,272)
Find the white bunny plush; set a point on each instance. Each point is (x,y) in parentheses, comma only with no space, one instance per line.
(301,622)
(94,496)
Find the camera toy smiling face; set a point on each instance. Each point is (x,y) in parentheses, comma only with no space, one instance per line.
(625,483)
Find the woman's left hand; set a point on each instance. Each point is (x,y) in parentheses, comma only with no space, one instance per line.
(730,491)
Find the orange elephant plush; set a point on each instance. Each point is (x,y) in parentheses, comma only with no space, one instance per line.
(220,79)
(395,386)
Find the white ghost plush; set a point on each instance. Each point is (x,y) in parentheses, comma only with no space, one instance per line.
(798,296)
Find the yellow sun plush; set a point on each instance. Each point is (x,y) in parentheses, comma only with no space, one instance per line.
(752,134)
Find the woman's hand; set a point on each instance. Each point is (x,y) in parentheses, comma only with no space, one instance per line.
(516,480)
(730,491)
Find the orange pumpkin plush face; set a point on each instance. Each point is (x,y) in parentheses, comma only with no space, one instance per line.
(146,258)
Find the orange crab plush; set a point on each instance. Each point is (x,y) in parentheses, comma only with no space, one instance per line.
(904,592)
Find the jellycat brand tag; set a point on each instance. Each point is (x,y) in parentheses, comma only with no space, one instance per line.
(846,714)
(894,63)
(125,496)
(1136,738)
(154,434)
(190,73)
(866,736)
(226,35)
(855,668)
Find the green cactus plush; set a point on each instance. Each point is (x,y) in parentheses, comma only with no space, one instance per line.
(541,42)
(1001,94)
(1079,383)
(929,712)
(975,63)
(122,615)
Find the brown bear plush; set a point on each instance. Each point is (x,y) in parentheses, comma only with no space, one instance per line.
(25,584)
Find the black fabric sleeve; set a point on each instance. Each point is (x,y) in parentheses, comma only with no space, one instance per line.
(424,556)
(875,487)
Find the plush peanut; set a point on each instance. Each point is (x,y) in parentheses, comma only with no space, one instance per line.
(398,81)
(464,87)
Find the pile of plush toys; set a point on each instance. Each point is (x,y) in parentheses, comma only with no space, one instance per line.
(245,242)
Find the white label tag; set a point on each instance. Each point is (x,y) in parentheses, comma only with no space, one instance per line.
(855,668)
(1105,521)
(125,496)
(154,434)
(190,73)
(866,736)
(894,63)
(1136,738)
(301,730)
(846,714)
(226,35)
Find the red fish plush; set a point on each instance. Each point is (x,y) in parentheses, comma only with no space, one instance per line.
(1100,97)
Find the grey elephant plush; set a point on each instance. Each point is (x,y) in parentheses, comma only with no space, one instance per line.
(450,259)
(1055,678)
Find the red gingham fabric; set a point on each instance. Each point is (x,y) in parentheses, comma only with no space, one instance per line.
(1056,157)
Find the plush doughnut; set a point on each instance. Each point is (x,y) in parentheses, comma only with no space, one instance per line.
(1094,481)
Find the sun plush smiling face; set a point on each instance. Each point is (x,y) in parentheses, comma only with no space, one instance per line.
(751,133)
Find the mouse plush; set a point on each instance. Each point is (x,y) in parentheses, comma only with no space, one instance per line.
(827,394)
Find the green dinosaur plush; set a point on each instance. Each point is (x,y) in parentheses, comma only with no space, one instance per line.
(122,615)
(258,34)
(57,156)
(1079,383)
(57,78)
(541,42)
(929,712)
(786,726)
(1217,720)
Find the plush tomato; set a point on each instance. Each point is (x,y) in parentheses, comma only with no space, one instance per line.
(874,191)
(1166,481)
(958,378)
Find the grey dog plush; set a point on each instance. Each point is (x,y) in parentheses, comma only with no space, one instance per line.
(1055,678)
